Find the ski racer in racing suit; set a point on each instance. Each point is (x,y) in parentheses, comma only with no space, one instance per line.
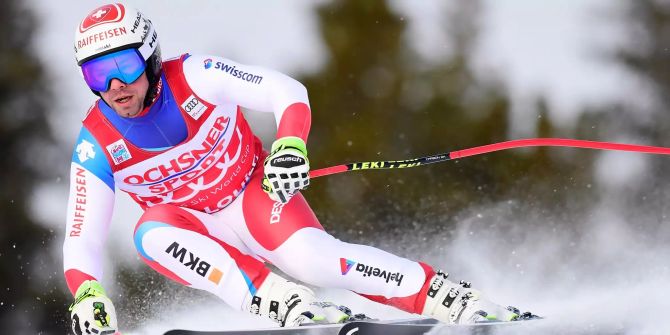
(217,207)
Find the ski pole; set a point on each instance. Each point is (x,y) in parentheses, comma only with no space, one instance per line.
(484,149)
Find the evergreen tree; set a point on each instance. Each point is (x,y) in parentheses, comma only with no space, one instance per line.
(376,99)
(31,301)
(646,55)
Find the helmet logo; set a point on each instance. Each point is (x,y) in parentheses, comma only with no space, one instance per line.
(101,15)
(208,63)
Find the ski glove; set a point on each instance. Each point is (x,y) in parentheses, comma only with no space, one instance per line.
(286,169)
(92,312)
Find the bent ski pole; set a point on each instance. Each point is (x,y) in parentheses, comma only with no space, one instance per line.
(522,143)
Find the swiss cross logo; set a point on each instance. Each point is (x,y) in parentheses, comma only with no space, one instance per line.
(104,14)
(100,14)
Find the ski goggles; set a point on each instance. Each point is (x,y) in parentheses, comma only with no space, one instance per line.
(126,65)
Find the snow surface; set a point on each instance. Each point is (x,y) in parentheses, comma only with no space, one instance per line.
(607,276)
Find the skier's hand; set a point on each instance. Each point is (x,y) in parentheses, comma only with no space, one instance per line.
(92,312)
(286,169)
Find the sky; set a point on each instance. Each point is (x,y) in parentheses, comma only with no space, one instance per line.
(555,49)
(548,48)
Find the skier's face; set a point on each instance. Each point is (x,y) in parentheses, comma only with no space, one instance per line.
(127,100)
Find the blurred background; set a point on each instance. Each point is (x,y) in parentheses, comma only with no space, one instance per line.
(579,236)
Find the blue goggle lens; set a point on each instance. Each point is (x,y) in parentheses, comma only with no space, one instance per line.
(125,65)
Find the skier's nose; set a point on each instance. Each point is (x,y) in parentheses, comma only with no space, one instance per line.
(116,84)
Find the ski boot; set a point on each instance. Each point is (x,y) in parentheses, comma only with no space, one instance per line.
(459,304)
(291,305)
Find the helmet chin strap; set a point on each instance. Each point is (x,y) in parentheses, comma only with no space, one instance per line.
(153,71)
(153,92)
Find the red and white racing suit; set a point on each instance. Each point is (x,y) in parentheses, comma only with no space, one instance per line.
(207,223)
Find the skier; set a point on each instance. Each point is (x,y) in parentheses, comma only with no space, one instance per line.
(217,207)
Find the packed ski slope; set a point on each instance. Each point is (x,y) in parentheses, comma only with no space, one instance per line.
(602,276)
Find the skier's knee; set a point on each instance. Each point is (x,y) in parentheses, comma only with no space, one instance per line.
(156,217)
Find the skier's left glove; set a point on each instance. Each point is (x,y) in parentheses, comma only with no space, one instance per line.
(286,169)
(92,312)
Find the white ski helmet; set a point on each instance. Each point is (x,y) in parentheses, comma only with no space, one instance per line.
(114,27)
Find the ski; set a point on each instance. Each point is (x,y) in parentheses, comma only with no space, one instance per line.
(384,328)
(377,327)
(322,329)
(327,329)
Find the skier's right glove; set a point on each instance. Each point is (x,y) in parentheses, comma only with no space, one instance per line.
(286,169)
(92,312)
